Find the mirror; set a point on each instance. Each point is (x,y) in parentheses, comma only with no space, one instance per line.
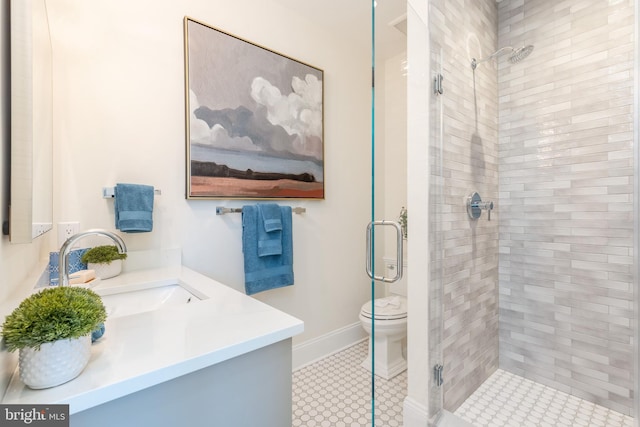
(31,197)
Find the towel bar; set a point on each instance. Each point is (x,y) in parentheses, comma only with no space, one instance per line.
(221,210)
(110,192)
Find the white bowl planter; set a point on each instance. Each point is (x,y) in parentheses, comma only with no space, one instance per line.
(55,363)
(105,271)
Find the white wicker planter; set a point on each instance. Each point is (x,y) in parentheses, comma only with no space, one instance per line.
(105,271)
(55,363)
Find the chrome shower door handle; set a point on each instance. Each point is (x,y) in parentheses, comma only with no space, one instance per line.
(369,251)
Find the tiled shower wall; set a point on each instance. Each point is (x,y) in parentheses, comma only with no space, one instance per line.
(565,206)
(467,161)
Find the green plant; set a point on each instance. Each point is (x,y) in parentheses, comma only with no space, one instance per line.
(402,219)
(102,255)
(53,314)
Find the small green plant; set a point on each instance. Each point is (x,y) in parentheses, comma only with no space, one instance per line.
(53,314)
(102,255)
(402,219)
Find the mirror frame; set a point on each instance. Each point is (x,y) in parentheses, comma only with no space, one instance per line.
(31,121)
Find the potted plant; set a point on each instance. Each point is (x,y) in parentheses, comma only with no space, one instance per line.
(52,331)
(105,260)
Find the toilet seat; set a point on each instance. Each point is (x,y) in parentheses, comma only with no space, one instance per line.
(389,308)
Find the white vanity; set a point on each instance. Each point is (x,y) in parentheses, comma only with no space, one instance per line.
(221,359)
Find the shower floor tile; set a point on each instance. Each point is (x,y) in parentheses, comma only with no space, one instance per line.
(506,399)
(336,391)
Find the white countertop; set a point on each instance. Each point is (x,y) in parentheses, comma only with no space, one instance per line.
(145,349)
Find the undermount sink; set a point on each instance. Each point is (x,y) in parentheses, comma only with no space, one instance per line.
(129,301)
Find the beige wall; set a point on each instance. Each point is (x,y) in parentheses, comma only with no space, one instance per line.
(119,115)
(121,99)
(391,143)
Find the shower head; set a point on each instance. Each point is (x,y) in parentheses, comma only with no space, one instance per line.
(521,53)
(517,55)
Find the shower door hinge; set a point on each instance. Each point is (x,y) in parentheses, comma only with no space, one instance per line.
(437,375)
(437,84)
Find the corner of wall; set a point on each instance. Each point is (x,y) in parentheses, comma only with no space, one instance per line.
(417,198)
(414,413)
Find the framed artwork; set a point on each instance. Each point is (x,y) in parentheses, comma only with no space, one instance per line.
(254,120)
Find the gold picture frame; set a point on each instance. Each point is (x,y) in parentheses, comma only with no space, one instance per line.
(254,120)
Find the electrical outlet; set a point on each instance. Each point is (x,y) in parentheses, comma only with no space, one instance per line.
(66,230)
(39,228)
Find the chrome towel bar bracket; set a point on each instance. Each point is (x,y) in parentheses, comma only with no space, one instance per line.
(110,192)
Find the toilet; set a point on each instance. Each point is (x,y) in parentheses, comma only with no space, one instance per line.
(390,326)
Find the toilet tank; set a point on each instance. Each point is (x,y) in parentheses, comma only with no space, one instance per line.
(399,287)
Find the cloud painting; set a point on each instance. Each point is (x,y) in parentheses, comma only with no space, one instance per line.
(254,119)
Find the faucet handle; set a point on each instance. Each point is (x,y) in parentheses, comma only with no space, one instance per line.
(475,205)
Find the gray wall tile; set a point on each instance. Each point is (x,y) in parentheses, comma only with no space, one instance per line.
(544,290)
(565,178)
(470,163)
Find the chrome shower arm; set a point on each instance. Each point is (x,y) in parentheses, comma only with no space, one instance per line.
(517,55)
(475,62)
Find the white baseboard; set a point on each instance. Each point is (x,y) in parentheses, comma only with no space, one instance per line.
(327,344)
(449,420)
(414,413)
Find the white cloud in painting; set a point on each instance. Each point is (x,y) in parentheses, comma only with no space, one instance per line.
(310,90)
(220,139)
(199,130)
(299,113)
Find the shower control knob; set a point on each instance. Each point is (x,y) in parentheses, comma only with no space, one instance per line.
(475,206)
(489,208)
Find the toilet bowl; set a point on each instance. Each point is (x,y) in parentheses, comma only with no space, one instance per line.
(390,328)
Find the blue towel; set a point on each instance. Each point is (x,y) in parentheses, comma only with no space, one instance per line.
(267,272)
(271,216)
(269,230)
(134,208)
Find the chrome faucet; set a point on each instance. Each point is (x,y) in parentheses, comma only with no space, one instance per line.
(66,248)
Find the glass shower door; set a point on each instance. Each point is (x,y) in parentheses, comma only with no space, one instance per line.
(385,234)
(436,249)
